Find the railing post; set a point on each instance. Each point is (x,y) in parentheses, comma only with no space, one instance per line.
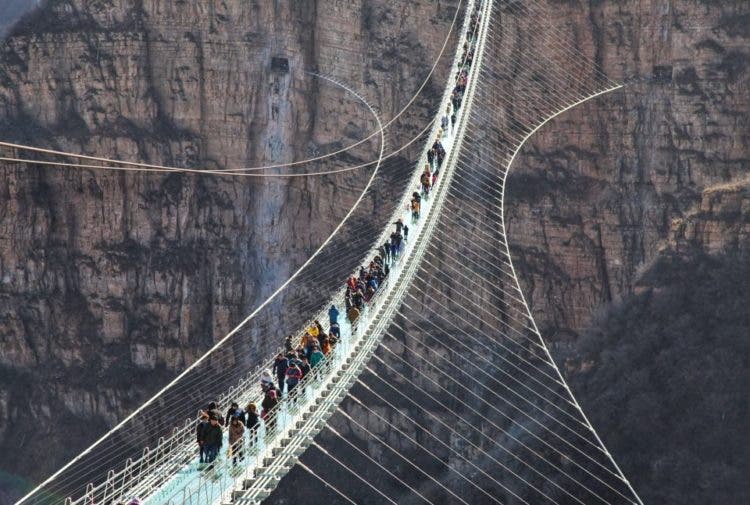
(109,486)
(89,495)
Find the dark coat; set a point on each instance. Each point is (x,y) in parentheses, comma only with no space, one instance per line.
(253,420)
(280,366)
(200,430)
(213,435)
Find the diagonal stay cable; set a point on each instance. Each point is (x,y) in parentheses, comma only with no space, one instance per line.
(493,440)
(370,458)
(346,467)
(510,435)
(457,433)
(500,369)
(325,482)
(425,449)
(493,379)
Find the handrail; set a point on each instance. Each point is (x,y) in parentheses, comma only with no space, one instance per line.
(290,452)
(161,464)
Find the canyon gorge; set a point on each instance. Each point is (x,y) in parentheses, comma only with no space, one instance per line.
(628,217)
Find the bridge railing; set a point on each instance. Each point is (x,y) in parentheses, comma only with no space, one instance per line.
(155,467)
(220,480)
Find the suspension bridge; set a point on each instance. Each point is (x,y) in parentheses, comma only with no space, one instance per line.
(446,353)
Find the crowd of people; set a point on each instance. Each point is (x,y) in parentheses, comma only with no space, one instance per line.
(310,349)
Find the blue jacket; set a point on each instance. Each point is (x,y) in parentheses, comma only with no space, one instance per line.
(333,314)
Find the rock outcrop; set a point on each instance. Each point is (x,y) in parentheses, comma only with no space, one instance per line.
(126,278)
(597,193)
(112,282)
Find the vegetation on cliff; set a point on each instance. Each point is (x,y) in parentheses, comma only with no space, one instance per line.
(664,375)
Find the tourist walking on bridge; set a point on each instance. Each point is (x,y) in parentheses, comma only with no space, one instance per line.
(289,343)
(316,357)
(236,439)
(252,423)
(308,341)
(266,380)
(387,251)
(200,431)
(415,209)
(293,376)
(268,414)
(234,409)
(212,439)
(333,315)
(426,181)
(280,364)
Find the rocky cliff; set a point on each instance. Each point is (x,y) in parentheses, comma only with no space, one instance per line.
(632,208)
(629,227)
(135,274)
(113,282)
(597,193)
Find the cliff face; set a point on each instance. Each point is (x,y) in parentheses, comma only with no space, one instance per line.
(112,282)
(628,220)
(127,277)
(596,194)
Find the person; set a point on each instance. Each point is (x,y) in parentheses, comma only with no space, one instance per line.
(387,251)
(199,432)
(212,438)
(304,367)
(289,343)
(394,245)
(456,102)
(234,409)
(293,376)
(415,208)
(236,439)
(307,342)
(399,226)
(430,156)
(269,403)
(333,315)
(352,283)
(316,357)
(252,422)
(353,314)
(325,345)
(135,501)
(335,331)
(280,365)
(440,156)
(426,180)
(348,298)
(213,410)
(359,303)
(406,233)
(321,330)
(266,380)
(314,330)
(444,123)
